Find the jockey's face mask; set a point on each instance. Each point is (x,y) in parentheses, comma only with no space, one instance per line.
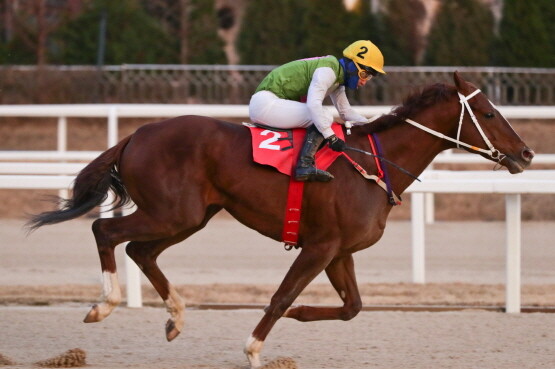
(351,73)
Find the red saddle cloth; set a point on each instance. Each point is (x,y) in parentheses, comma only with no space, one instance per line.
(280,149)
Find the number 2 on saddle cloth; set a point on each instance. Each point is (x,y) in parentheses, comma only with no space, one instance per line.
(280,149)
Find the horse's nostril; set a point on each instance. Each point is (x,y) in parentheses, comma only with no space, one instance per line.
(528,154)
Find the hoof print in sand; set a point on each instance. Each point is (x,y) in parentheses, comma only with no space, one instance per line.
(281,363)
(6,361)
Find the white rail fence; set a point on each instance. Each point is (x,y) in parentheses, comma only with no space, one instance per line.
(115,111)
(472,182)
(58,174)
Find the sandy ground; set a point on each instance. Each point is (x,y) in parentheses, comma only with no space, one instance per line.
(227,262)
(133,338)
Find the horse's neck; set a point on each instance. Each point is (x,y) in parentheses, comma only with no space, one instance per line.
(411,149)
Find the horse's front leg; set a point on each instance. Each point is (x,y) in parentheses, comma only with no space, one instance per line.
(341,273)
(111,292)
(306,267)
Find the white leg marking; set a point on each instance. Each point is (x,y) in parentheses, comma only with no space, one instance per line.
(111,290)
(252,350)
(176,307)
(111,297)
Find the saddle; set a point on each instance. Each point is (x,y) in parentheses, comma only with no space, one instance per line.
(280,148)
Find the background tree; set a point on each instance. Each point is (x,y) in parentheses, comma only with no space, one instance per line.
(194,26)
(200,41)
(462,34)
(401,36)
(526,34)
(364,25)
(132,36)
(328,29)
(26,30)
(272,32)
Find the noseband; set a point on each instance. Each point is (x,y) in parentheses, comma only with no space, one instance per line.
(493,153)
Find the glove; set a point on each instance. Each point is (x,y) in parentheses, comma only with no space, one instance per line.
(336,144)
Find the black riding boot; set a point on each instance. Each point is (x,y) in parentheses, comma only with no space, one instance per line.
(305,170)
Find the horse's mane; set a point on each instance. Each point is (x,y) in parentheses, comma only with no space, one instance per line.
(414,103)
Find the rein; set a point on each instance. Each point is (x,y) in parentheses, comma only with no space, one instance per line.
(384,159)
(493,153)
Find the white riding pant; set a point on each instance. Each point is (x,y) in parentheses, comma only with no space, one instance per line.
(266,108)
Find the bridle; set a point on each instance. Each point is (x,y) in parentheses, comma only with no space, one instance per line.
(493,153)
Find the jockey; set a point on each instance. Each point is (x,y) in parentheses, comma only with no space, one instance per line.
(279,99)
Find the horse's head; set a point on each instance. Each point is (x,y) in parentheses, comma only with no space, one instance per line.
(482,126)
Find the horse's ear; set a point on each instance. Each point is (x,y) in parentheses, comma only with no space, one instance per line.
(461,84)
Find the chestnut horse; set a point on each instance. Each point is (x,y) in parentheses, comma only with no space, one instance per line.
(182,171)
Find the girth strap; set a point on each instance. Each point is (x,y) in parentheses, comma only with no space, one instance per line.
(292,221)
(293,207)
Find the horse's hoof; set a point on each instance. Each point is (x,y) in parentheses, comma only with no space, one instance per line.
(252,350)
(171,330)
(94,315)
(254,360)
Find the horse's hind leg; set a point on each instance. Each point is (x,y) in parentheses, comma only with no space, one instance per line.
(341,273)
(109,232)
(145,255)
(111,292)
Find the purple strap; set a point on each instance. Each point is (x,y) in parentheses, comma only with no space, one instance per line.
(385,172)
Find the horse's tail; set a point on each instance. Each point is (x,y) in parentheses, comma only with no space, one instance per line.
(90,189)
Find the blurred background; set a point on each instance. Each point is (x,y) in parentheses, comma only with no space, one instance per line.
(217,51)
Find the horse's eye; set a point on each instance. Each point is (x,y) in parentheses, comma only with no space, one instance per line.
(489,115)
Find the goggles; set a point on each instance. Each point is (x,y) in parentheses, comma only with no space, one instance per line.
(365,72)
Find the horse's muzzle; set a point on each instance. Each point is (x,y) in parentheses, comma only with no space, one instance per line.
(527,154)
(518,164)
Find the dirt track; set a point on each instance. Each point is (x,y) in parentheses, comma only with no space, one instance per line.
(228,263)
(134,338)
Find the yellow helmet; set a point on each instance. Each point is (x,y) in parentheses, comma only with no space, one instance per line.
(366,53)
